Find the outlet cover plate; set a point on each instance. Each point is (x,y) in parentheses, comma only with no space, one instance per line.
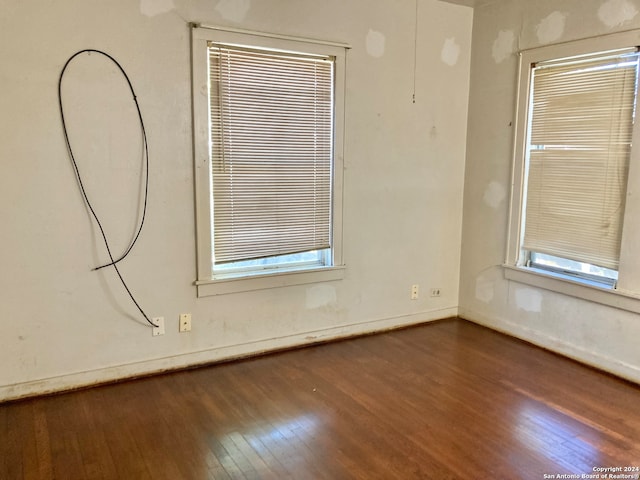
(159,330)
(185,322)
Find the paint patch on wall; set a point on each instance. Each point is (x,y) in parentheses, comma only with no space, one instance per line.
(484,289)
(529,300)
(375,43)
(551,28)
(151,8)
(616,12)
(320,296)
(494,194)
(503,45)
(233,10)
(450,52)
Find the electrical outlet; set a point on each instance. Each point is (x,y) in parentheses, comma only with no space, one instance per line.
(435,292)
(415,289)
(159,328)
(185,322)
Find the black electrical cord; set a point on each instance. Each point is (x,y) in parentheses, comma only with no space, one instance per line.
(79,178)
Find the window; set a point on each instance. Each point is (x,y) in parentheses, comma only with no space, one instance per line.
(573,166)
(268,150)
(577,159)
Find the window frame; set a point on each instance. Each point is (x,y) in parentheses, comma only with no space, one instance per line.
(208,284)
(627,294)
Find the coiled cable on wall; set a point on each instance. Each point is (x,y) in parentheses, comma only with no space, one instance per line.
(113,262)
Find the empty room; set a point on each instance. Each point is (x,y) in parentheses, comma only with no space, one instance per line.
(340,239)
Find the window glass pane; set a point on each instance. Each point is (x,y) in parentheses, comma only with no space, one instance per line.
(291,261)
(570,266)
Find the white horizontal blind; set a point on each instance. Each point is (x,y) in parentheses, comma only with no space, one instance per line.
(579,146)
(271,152)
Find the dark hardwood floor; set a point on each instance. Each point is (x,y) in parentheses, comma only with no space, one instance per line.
(447,400)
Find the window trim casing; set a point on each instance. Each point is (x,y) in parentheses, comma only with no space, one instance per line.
(627,294)
(206,284)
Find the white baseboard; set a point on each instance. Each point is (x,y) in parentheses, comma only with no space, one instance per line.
(562,347)
(121,372)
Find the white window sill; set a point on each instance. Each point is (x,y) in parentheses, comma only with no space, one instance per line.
(574,287)
(268,280)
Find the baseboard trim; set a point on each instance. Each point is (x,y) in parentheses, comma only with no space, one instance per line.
(607,364)
(224,353)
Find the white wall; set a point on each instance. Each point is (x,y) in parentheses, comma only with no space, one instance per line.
(62,325)
(602,336)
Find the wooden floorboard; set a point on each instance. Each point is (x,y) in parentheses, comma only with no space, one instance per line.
(446,400)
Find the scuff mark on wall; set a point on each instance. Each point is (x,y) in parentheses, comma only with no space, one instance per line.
(529,300)
(616,12)
(551,27)
(494,194)
(320,296)
(503,45)
(375,43)
(450,52)
(151,8)
(233,10)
